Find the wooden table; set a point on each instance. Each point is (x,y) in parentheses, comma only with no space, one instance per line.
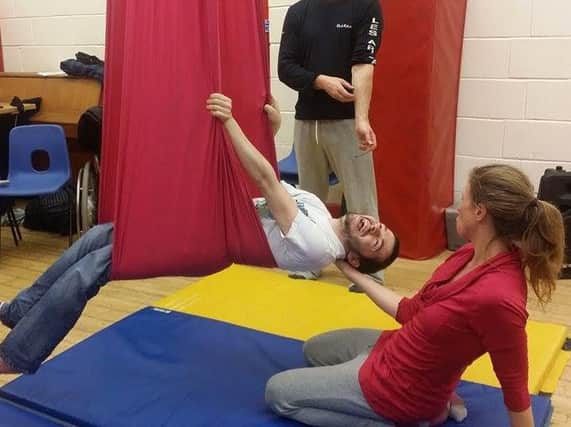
(6,108)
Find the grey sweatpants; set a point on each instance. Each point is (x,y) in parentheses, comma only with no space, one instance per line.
(329,393)
(324,146)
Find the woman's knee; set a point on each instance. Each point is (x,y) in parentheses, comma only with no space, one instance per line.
(317,349)
(277,396)
(339,346)
(311,349)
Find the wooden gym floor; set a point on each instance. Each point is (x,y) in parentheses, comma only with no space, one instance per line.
(19,266)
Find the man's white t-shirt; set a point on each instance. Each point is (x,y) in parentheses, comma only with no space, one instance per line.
(310,243)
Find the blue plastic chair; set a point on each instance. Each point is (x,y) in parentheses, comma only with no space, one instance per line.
(23,179)
(289,172)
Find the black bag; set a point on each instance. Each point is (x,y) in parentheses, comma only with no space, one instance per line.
(566,272)
(555,188)
(84,65)
(76,68)
(51,211)
(88,59)
(89,129)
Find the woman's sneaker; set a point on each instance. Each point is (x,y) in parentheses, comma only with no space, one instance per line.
(307,275)
(378,277)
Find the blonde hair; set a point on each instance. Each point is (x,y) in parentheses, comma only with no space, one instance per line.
(519,217)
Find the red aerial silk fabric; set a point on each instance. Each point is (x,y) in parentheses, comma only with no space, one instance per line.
(413,111)
(171,183)
(1,55)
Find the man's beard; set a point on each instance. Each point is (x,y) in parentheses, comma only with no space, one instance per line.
(351,240)
(347,223)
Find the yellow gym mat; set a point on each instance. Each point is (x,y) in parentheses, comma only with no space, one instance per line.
(271,302)
(552,377)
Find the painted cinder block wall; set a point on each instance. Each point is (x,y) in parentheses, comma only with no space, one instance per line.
(515,91)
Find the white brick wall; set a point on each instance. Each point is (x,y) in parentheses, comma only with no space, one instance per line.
(515,91)
(286,97)
(38,34)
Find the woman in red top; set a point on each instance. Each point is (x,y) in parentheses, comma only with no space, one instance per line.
(474,303)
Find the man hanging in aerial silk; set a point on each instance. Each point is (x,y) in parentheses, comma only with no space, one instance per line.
(301,234)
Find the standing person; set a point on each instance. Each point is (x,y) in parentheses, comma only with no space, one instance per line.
(474,303)
(327,54)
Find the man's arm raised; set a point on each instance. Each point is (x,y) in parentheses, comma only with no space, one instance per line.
(282,206)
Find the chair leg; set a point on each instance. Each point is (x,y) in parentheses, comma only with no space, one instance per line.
(78,225)
(14,235)
(13,225)
(70,236)
(16,224)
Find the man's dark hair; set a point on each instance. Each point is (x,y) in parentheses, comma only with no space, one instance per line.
(370,265)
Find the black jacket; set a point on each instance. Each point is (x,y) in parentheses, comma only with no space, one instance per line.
(327,37)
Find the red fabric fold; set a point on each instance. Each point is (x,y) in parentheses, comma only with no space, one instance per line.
(171,182)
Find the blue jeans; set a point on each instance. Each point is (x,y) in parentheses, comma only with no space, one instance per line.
(42,315)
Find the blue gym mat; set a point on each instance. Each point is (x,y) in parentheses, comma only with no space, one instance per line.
(12,415)
(161,368)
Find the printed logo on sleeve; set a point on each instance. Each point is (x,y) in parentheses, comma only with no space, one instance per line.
(371,46)
(374,27)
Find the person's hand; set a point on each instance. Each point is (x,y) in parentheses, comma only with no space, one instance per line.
(274,116)
(344,266)
(336,88)
(220,106)
(366,135)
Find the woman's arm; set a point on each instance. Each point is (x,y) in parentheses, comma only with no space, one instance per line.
(499,319)
(387,300)
(521,419)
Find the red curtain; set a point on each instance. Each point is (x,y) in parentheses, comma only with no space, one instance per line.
(179,198)
(413,111)
(1,56)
